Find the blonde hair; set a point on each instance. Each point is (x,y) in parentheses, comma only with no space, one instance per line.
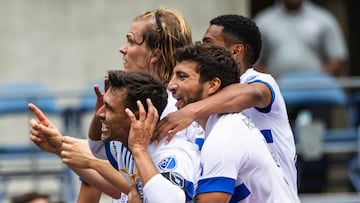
(167,32)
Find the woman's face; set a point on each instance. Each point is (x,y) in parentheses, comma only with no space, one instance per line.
(136,56)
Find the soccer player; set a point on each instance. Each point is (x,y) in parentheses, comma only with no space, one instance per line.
(237,165)
(258,96)
(156,170)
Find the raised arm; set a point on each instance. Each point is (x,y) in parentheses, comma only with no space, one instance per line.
(45,135)
(140,134)
(233,98)
(77,154)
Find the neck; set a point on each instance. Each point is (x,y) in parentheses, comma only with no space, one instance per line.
(202,121)
(244,69)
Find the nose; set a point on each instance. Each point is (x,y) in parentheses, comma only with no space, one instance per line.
(122,49)
(100,112)
(172,86)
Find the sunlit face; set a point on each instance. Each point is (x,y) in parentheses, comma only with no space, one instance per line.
(136,56)
(40,200)
(185,85)
(213,35)
(115,122)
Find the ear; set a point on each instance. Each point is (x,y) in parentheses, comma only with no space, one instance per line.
(155,57)
(237,50)
(214,86)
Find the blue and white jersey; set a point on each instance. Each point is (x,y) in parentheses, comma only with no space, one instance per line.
(178,161)
(274,124)
(235,159)
(194,132)
(184,143)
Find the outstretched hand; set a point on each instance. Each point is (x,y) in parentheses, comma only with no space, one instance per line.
(173,123)
(141,130)
(76,152)
(43,133)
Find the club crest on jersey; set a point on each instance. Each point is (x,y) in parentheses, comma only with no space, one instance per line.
(168,164)
(175,178)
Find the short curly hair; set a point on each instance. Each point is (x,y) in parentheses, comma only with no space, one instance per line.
(139,87)
(212,61)
(240,29)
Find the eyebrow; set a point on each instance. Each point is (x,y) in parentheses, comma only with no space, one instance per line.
(108,106)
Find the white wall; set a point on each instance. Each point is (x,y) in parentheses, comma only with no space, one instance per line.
(66,43)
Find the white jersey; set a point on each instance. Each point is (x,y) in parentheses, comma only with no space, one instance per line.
(193,133)
(274,124)
(235,160)
(178,161)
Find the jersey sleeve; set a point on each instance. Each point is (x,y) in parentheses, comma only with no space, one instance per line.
(179,164)
(159,189)
(222,158)
(97,147)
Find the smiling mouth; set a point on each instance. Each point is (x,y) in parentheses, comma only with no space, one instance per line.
(179,103)
(104,128)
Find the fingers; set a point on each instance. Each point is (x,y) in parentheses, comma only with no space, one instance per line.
(97,91)
(153,115)
(35,134)
(65,150)
(106,83)
(171,134)
(39,114)
(142,113)
(131,115)
(164,128)
(69,140)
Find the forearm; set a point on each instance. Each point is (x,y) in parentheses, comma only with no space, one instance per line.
(92,177)
(110,174)
(88,194)
(233,98)
(144,165)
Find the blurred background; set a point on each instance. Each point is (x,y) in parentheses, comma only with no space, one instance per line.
(57,49)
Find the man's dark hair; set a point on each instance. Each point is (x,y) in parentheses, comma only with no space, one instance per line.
(238,29)
(212,61)
(28,197)
(139,86)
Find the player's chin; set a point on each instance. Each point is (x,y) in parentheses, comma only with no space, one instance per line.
(105,136)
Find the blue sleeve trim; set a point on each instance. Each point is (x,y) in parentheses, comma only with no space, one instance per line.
(217,184)
(110,156)
(241,192)
(189,190)
(268,108)
(82,180)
